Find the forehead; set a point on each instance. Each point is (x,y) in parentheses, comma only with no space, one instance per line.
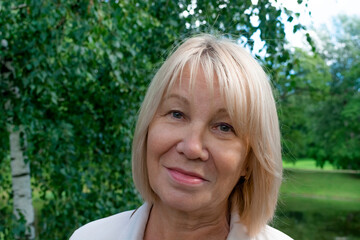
(193,76)
(195,83)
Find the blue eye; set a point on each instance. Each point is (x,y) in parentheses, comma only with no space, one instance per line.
(176,114)
(224,127)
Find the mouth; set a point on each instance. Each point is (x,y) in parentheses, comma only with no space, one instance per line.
(185,177)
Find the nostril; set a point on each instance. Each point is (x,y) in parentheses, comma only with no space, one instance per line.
(205,155)
(180,147)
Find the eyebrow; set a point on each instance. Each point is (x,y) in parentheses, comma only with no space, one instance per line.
(177,96)
(186,101)
(223,110)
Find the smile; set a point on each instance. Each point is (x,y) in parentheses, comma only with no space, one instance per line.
(184,177)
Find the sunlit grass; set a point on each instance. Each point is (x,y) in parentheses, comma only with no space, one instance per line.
(307,163)
(322,184)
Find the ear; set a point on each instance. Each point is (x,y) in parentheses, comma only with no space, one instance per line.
(246,169)
(244,172)
(245,166)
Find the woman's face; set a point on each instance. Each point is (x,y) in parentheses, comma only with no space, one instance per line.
(194,157)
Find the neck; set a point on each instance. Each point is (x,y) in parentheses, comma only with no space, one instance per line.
(168,223)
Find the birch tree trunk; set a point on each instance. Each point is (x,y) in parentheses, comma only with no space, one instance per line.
(20,171)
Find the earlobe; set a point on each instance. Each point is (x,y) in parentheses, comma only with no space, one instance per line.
(245,172)
(245,167)
(244,177)
(247,175)
(242,180)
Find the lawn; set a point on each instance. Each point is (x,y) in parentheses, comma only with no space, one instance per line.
(322,184)
(306,163)
(319,205)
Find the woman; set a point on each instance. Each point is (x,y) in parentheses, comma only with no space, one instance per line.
(206,150)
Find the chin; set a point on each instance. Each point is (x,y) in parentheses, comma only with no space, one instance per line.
(182,202)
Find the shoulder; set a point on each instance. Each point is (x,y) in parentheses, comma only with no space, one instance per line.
(239,231)
(105,228)
(272,233)
(127,225)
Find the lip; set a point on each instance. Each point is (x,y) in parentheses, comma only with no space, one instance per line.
(184,177)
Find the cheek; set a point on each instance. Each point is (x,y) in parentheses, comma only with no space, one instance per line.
(159,140)
(152,143)
(153,147)
(230,162)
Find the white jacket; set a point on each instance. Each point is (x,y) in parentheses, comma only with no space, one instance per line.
(130,225)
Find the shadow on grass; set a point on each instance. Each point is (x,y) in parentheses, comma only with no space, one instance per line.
(319,206)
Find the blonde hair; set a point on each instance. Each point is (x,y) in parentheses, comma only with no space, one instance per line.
(248,95)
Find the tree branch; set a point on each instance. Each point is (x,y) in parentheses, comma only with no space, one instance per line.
(19,7)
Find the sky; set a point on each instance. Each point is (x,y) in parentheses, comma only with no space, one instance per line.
(322,12)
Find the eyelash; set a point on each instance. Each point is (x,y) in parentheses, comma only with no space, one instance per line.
(219,125)
(173,112)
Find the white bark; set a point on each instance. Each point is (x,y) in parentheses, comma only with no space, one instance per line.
(20,171)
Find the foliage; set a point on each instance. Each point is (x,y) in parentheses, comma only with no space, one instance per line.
(299,93)
(320,98)
(338,136)
(75,72)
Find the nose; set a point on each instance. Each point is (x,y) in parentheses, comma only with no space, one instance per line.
(192,145)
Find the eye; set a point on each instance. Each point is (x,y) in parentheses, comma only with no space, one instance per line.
(224,127)
(177,114)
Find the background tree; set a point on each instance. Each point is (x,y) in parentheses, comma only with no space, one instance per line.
(300,92)
(81,69)
(319,98)
(338,119)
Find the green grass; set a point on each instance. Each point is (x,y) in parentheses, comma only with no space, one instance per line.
(329,185)
(319,205)
(306,163)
